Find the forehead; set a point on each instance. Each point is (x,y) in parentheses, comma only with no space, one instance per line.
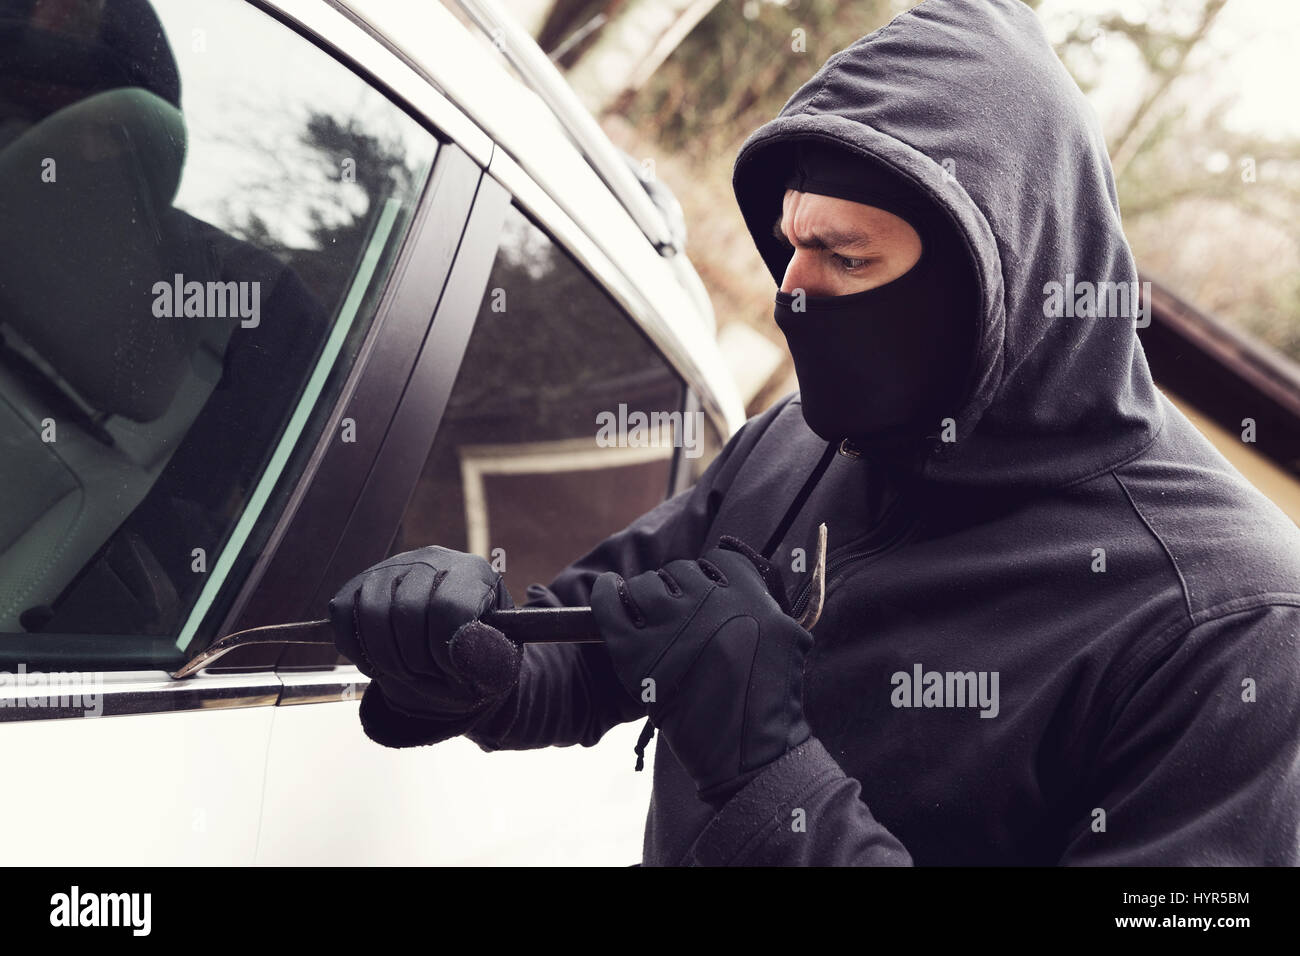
(814,219)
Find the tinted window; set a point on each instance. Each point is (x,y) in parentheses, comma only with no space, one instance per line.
(561,427)
(198,208)
(711,442)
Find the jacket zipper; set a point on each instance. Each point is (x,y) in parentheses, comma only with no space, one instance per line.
(853,556)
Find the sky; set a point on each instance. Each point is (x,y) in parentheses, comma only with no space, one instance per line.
(1252,53)
(247,86)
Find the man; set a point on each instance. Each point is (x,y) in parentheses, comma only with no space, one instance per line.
(1059,628)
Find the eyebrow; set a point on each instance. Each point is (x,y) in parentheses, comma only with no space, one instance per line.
(826,238)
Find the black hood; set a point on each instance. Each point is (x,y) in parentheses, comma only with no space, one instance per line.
(968,102)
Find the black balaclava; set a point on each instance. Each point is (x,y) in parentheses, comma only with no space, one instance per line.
(883,367)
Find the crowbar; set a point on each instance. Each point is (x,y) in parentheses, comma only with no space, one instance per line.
(523,625)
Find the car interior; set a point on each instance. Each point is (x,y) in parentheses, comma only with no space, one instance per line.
(128,438)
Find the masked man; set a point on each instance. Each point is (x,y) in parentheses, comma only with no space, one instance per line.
(1059,628)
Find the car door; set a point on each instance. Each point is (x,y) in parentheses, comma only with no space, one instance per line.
(500,449)
(220,248)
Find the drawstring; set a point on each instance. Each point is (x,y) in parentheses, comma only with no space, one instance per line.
(647,731)
(793,511)
(832,448)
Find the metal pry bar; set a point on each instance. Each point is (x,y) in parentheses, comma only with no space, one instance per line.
(817,598)
(523,625)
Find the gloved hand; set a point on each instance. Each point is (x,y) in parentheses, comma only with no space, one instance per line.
(410,624)
(726,658)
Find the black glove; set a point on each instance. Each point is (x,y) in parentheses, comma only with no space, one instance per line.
(726,658)
(410,623)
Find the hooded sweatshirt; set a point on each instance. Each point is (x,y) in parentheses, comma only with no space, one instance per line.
(1063,633)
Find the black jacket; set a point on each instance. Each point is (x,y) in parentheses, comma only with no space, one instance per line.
(1147,713)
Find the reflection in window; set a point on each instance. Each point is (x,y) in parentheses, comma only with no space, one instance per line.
(198,210)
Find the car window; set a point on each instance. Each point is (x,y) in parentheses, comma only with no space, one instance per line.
(561,427)
(711,443)
(198,209)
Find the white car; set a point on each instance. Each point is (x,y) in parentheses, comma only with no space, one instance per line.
(287,287)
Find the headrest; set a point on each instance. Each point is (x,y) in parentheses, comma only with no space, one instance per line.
(84,197)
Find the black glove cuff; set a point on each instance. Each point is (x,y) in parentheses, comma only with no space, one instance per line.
(385,724)
(717,796)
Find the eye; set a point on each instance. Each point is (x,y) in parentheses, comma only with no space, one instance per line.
(849,264)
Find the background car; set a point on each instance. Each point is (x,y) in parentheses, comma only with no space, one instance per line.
(287,287)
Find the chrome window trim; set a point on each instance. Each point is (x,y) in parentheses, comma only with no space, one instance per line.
(339,33)
(306,686)
(126,693)
(134,693)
